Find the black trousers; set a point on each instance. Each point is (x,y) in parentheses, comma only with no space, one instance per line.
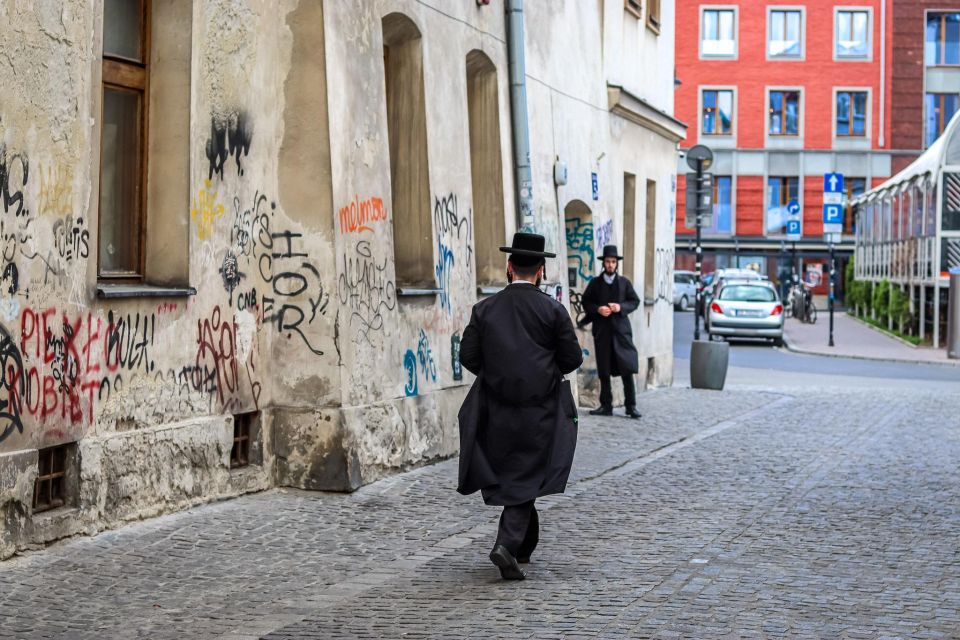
(629,393)
(519,529)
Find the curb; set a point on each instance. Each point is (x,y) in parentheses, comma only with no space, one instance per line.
(883,331)
(794,349)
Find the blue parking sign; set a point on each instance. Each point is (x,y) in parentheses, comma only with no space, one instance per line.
(833,183)
(832,214)
(793,229)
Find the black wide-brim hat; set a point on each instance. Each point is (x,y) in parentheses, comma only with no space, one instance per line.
(528,244)
(610,251)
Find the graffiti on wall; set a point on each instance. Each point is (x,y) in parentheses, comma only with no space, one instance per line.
(360,214)
(454,230)
(663,274)
(420,364)
(580,251)
(605,234)
(205,211)
(71,238)
(365,288)
(14,173)
(230,137)
(455,356)
(11,385)
(56,190)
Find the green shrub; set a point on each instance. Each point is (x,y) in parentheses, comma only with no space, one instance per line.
(848,282)
(899,305)
(881,300)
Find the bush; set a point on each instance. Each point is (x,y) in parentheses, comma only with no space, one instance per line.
(899,306)
(881,299)
(849,282)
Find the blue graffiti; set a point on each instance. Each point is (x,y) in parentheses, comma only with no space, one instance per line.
(580,247)
(410,364)
(444,272)
(425,356)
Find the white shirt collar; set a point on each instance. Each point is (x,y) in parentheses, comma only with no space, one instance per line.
(609,278)
(522,282)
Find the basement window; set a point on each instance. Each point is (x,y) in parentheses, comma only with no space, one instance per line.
(50,487)
(245,428)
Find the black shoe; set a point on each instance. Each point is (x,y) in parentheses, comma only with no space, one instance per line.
(509,569)
(523,559)
(633,413)
(602,411)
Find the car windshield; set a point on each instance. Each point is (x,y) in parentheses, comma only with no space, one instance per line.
(747,293)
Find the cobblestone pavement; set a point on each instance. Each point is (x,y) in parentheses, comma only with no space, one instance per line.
(733,514)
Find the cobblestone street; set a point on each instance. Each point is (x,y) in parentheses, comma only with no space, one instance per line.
(734,514)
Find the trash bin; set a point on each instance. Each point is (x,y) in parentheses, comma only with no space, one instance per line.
(953,315)
(708,364)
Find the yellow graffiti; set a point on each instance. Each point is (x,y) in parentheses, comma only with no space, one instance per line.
(56,190)
(205,211)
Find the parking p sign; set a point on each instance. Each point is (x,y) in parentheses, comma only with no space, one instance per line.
(793,230)
(832,218)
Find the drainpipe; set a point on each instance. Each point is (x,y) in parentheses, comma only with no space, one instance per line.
(883,69)
(523,174)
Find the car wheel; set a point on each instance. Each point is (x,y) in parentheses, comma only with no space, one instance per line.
(684,303)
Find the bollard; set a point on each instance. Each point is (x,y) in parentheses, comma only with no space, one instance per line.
(953,315)
(708,364)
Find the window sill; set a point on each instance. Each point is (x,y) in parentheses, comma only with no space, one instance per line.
(413,292)
(112,291)
(489,290)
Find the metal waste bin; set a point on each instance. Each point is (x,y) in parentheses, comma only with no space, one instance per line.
(953,315)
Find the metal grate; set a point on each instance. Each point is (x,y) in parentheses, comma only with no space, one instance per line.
(243,424)
(49,488)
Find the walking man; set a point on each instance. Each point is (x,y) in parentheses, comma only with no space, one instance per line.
(607,301)
(518,423)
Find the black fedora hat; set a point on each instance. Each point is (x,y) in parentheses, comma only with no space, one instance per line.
(528,244)
(610,251)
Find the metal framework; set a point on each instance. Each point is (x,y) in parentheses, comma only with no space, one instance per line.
(908,228)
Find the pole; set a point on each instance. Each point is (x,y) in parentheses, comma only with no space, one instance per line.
(523,173)
(832,284)
(699,257)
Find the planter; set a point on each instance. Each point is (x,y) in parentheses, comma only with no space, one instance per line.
(708,364)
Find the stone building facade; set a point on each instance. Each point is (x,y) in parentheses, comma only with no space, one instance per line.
(241,238)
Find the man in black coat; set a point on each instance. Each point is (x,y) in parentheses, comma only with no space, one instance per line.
(518,423)
(607,301)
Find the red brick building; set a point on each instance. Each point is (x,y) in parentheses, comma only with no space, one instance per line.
(782,93)
(926,74)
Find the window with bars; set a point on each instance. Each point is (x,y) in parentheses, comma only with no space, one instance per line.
(784,113)
(245,428)
(123,160)
(50,487)
(717,112)
(942,46)
(853,34)
(785,35)
(939,108)
(851,114)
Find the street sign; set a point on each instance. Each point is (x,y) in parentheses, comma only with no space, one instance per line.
(793,208)
(596,186)
(833,183)
(793,230)
(832,218)
(699,153)
(832,198)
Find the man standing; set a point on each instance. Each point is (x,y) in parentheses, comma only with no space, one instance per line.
(607,301)
(518,426)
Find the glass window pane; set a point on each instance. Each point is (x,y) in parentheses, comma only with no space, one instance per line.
(726,25)
(793,114)
(859,113)
(931,111)
(776,112)
(722,210)
(725,107)
(710,30)
(120,183)
(931,47)
(122,28)
(951,39)
(843,114)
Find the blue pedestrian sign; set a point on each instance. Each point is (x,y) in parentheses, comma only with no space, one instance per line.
(596,186)
(793,208)
(832,214)
(793,230)
(833,183)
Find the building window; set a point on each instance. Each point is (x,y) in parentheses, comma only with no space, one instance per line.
(123,171)
(717,112)
(722,220)
(653,15)
(486,165)
(855,187)
(650,241)
(784,109)
(407,134)
(719,33)
(853,34)
(633,6)
(939,107)
(943,39)
(629,224)
(851,113)
(781,191)
(786,34)
(50,487)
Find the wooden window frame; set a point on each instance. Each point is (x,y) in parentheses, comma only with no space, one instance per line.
(941,121)
(802,35)
(783,113)
(703,108)
(837,35)
(866,114)
(653,16)
(633,7)
(849,223)
(719,10)
(783,201)
(941,51)
(124,74)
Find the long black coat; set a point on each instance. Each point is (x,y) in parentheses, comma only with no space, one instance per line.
(518,424)
(613,335)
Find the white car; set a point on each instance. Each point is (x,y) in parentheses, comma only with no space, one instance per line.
(746,309)
(684,289)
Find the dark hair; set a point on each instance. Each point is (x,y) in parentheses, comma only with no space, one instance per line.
(526,266)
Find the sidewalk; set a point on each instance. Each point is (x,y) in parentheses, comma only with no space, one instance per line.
(854,339)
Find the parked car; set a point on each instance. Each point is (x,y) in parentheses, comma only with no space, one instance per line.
(746,309)
(715,279)
(684,289)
